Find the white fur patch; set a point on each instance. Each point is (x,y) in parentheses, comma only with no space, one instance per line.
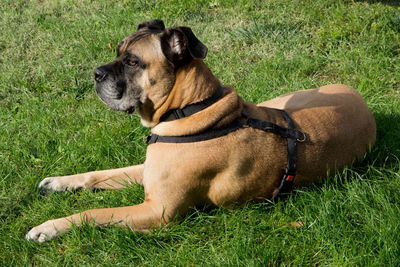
(176,44)
(43,232)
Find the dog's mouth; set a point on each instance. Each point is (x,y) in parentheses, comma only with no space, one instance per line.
(130,110)
(116,99)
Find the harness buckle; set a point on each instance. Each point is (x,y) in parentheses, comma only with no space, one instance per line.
(289,178)
(246,124)
(272,128)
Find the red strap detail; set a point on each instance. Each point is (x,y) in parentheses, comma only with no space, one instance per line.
(290,178)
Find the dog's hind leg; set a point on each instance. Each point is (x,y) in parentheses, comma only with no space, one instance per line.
(107,179)
(142,218)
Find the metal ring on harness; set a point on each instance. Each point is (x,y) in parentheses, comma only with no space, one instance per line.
(303,139)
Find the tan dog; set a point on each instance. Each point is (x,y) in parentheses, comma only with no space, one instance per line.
(157,70)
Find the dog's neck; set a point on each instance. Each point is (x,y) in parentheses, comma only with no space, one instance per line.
(194,82)
(221,113)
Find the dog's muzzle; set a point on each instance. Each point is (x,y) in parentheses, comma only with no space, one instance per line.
(100,74)
(112,90)
(106,87)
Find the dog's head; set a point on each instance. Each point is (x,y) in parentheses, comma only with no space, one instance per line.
(144,71)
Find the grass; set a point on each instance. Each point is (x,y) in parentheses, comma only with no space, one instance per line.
(52,123)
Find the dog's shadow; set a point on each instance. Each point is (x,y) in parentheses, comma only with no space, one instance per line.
(386,152)
(384,2)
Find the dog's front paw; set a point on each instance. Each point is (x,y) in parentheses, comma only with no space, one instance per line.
(43,232)
(52,184)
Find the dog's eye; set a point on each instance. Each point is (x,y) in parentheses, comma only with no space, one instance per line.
(132,63)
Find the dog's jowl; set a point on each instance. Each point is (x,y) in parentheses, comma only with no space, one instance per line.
(208,146)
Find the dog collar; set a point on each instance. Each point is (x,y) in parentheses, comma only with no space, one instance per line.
(191,109)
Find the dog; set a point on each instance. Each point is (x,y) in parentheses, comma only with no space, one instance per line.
(159,70)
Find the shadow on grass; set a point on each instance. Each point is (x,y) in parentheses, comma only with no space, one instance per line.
(384,2)
(386,152)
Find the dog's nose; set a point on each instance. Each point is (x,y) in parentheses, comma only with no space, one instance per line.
(99,74)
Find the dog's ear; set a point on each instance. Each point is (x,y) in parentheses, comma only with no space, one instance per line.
(155,24)
(180,42)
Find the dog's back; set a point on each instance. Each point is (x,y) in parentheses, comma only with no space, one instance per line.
(339,126)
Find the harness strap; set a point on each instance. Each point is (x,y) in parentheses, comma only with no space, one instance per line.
(267,126)
(288,178)
(188,110)
(210,134)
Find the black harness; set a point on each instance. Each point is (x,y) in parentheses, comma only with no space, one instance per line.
(294,136)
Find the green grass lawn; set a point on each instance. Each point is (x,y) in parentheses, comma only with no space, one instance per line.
(52,123)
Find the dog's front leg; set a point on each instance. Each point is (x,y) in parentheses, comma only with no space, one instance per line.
(107,179)
(142,218)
